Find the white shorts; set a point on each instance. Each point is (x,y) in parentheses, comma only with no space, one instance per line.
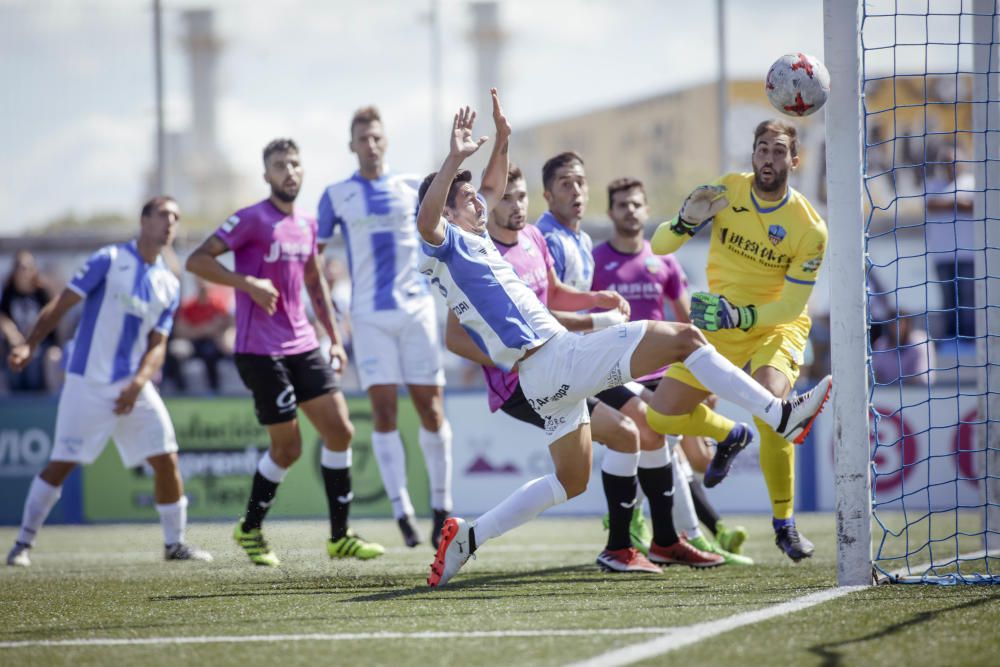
(401,346)
(86,420)
(569,368)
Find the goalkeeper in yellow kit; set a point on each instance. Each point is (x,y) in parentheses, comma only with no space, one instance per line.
(767,246)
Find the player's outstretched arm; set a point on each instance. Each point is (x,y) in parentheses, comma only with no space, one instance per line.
(562,297)
(319,293)
(495,175)
(47,321)
(203,263)
(698,208)
(458,341)
(462,145)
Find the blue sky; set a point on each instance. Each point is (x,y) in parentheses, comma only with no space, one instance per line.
(78,108)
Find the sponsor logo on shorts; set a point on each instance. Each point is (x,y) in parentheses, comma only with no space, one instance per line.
(286,399)
(537,403)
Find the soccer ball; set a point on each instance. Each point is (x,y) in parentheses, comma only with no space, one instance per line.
(797,84)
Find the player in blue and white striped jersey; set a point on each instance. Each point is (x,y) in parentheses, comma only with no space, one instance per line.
(130,297)
(395,332)
(566,191)
(558,370)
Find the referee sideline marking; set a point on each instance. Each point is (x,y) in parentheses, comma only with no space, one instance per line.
(328,637)
(680,637)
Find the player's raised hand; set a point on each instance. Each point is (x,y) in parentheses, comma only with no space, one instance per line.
(263,293)
(701,205)
(19,357)
(463,144)
(499,119)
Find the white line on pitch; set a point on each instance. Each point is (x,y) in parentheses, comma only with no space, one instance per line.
(676,638)
(329,637)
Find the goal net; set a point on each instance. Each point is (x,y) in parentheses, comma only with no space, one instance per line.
(930,116)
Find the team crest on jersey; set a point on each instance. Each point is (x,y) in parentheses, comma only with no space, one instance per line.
(776,233)
(652,264)
(301,222)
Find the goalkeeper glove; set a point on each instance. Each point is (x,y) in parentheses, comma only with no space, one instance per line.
(713,312)
(701,205)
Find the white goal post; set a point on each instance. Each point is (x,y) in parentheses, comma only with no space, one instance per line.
(845,217)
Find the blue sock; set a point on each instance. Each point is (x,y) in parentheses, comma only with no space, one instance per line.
(782,523)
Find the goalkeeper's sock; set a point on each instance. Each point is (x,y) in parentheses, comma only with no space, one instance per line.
(520,507)
(336,467)
(656,476)
(618,475)
(777,463)
(721,377)
(265,485)
(702,421)
(391,458)
(42,497)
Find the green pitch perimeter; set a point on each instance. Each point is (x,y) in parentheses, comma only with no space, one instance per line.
(537,590)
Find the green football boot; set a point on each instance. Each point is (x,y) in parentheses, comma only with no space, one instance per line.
(701,542)
(352,546)
(255,545)
(730,539)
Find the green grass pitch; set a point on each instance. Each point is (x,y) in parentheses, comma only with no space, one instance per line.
(536,591)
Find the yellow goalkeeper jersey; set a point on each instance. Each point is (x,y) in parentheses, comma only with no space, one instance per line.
(759,246)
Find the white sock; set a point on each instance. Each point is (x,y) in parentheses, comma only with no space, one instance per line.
(721,377)
(437,458)
(335,460)
(42,497)
(520,507)
(270,470)
(685,516)
(620,464)
(173,520)
(391,457)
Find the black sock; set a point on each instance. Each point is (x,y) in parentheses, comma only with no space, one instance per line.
(706,513)
(261,496)
(620,492)
(658,485)
(338,497)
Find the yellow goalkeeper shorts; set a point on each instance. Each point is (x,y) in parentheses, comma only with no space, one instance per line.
(782,347)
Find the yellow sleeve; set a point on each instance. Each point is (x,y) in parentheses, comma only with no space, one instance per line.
(799,281)
(787,308)
(665,240)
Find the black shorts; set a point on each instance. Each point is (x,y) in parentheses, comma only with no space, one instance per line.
(279,383)
(616,397)
(517,407)
(652,383)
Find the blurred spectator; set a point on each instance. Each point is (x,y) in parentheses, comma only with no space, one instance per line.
(903,352)
(950,238)
(203,329)
(25,293)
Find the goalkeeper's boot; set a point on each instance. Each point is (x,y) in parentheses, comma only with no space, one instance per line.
(18,555)
(725,452)
(458,544)
(411,536)
(730,539)
(437,525)
(629,559)
(799,412)
(638,529)
(684,553)
(789,541)
(702,543)
(351,545)
(253,543)
(181,551)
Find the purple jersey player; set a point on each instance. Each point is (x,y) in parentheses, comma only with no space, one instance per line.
(277,354)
